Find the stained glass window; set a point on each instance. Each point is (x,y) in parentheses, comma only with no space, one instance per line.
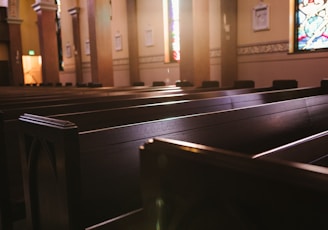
(311,25)
(172,30)
(58,33)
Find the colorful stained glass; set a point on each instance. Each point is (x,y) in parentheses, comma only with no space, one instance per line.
(312,24)
(174,27)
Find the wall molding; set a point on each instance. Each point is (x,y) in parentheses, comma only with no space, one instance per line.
(264,48)
(159,58)
(215,53)
(120,61)
(86,65)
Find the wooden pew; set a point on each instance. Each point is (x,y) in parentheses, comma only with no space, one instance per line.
(56,94)
(97,119)
(11,166)
(12,140)
(12,202)
(201,187)
(80,104)
(10,123)
(110,154)
(108,102)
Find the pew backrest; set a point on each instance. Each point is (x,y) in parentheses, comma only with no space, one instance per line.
(308,150)
(197,184)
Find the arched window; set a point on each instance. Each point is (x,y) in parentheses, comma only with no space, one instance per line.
(171,30)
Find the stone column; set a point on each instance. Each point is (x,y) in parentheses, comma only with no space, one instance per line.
(75,13)
(194,41)
(133,41)
(229,66)
(15,43)
(46,12)
(15,50)
(100,42)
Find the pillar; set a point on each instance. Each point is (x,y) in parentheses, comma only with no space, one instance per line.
(194,41)
(15,43)
(75,13)
(100,42)
(15,50)
(133,41)
(46,14)
(229,67)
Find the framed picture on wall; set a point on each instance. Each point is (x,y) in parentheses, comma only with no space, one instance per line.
(118,42)
(149,37)
(87,47)
(261,17)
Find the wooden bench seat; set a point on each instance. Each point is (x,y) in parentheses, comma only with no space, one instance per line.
(109,163)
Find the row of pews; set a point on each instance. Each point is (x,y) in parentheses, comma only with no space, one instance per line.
(16,101)
(79,156)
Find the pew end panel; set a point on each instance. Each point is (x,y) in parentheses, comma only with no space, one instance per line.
(50,165)
(199,184)
(5,213)
(12,206)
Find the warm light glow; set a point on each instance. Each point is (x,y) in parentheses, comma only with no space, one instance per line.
(3,3)
(171,30)
(166,31)
(32,69)
(175,29)
(59,8)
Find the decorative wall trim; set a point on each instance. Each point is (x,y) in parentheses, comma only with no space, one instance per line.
(152,59)
(264,48)
(44,6)
(215,53)
(14,21)
(121,61)
(86,65)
